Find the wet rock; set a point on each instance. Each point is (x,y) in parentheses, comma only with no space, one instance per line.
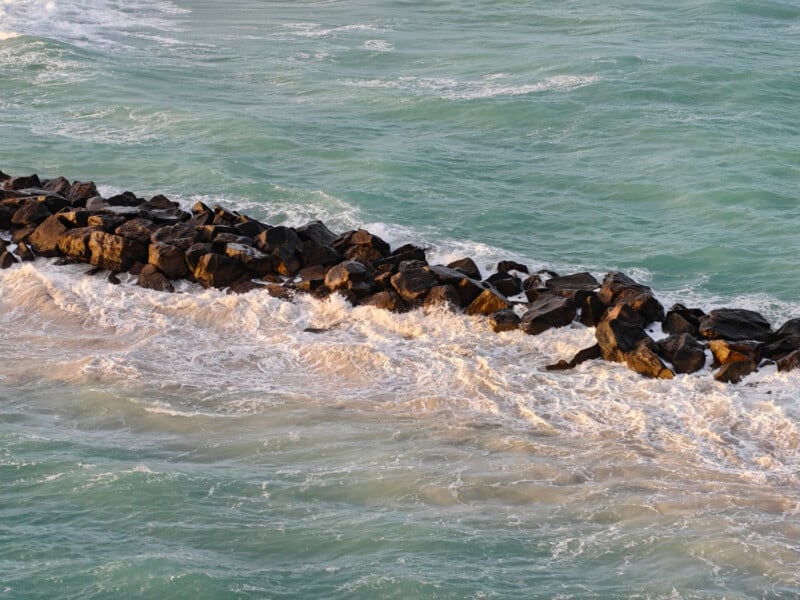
(310,278)
(32,212)
(195,252)
(504,266)
(735,324)
(726,351)
(250,228)
(405,252)
(95,204)
(114,252)
(317,232)
(223,216)
(25,253)
(644,360)
(75,218)
(618,288)
(790,329)
(504,320)
(139,230)
(488,302)
(577,282)
(686,354)
(58,185)
(278,237)
(179,234)
(124,199)
(107,223)
(113,279)
(22,234)
(789,362)
(253,259)
(286,262)
(75,243)
(7,260)
(160,202)
(505,283)
(80,193)
(592,310)
(218,270)
(734,372)
(548,312)
(625,312)
(617,337)
(387,300)
(590,353)
(783,346)
(443,295)
(6,213)
(313,254)
(151,278)
(168,259)
(21,183)
(466,266)
(413,283)
(44,239)
(340,276)
(209,233)
(680,319)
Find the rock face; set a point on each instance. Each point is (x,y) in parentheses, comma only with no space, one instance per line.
(160,242)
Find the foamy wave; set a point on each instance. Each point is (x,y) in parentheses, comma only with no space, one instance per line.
(489,87)
(315,30)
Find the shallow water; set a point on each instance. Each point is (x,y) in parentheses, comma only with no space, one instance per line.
(205,445)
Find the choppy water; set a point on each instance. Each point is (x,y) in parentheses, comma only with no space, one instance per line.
(204,446)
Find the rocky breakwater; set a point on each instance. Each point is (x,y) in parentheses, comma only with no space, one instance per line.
(160,242)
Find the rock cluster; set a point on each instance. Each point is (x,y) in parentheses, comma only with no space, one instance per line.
(159,242)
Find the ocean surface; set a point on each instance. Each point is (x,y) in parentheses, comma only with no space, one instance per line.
(203,445)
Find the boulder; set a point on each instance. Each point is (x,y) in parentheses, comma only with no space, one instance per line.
(44,239)
(644,360)
(21,183)
(22,234)
(218,270)
(443,295)
(734,372)
(487,303)
(618,288)
(114,252)
(617,337)
(413,283)
(590,353)
(58,185)
(107,223)
(139,230)
(789,362)
(278,237)
(726,352)
(313,254)
(387,300)
(625,312)
(79,192)
(94,204)
(179,234)
(592,310)
(24,252)
(504,266)
(505,283)
(6,212)
(7,260)
(403,253)
(286,262)
(250,228)
(223,216)
(570,285)
(789,329)
(124,199)
(78,217)
(735,324)
(504,320)
(340,276)
(781,347)
(151,278)
(686,354)
(466,266)
(195,252)
(32,212)
(680,319)
(160,202)
(75,243)
(168,260)
(547,312)
(317,232)
(310,278)
(253,259)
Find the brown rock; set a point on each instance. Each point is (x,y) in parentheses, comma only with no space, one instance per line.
(75,218)
(107,223)
(617,337)
(592,310)
(466,266)
(487,303)
(75,243)
(726,352)
(44,239)
(387,300)
(114,252)
(680,319)
(178,234)
(789,362)
(218,270)
(735,324)
(618,288)
(317,232)
(253,259)
(195,252)
(313,254)
(160,202)
(547,312)
(25,253)
(7,260)
(286,262)
(340,276)
(686,354)
(22,234)
(310,278)
(414,283)
(139,230)
(504,266)
(590,353)
(789,329)
(79,193)
(124,199)
(21,183)
(505,283)
(504,320)
(32,212)
(169,260)
(151,278)
(443,295)
(734,372)
(644,360)
(278,237)
(59,186)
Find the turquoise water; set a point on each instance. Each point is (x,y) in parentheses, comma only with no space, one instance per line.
(202,445)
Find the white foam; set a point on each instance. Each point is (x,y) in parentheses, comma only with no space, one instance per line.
(315,30)
(377,46)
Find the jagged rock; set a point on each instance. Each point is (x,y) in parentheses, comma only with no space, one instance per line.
(504,266)
(200,208)
(160,202)
(618,337)
(789,362)
(21,183)
(123,199)
(547,312)
(686,354)
(403,253)
(504,320)
(107,223)
(317,232)
(413,283)
(278,237)
(78,217)
(209,233)
(44,239)
(114,252)
(195,252)
(179,234)
(310,278)
(443,295)
(446,275)
(487,303)
(6,212)
(387,300)
(789,329)
(22,234)
(644,360)
(25,253)
(113,279)
(151,278)
(164,217)
(79,193)
(734,372)
(726,351)
(783,346)
(735,324)
(592,310)
(58,185)
(286,262)
(250,227)
(75,243)
(313,254)
(223,216)
(218,270)
(4,177)
(168,259)
(625,312)
(95,204)
(505,283)
(590,353)
(32,212)
(7,260)
(253,259)
(341,275)
(466,266)
(139,230)
(618,288)
(680,319)
(583,282)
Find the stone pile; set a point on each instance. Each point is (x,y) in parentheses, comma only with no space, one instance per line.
(159,242)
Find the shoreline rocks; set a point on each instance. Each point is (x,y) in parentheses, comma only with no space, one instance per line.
(159,242)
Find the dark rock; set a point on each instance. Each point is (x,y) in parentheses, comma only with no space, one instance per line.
(208,233)
(195,252)
(506,284)
(244,285)
(253,259)
(25,253)
(340,276)
(286,262)
(618,288)
(113,279)
(168,259)
(6,213)
(223,216)
(548,312)
(129,212)
(151,278)
(489,301)
(7,260)
(504,266)
(644,360)
(75,218)
(250,228)
(201,219)
(625,312)
(617,337)
(468,290)
(178,234)
(139,230)
(199,208)
(165,217)
(3,246)
(79,193)
(32,212)
(160,202)
(403,253)
(313,254)
(107,223)
(59,185)
(124,199)
(734,372)
(577,281)
(22,234)
(686,354)
(504,320)
(443,295)
(278,237)
(94,204)
(4,177)
(218,270)
(446,275)
(726,351)
(21,183)
(789,362)
(114,252)
(310,278)
(675,323)
(466,266)
(735,324)
(75,243)
(362,237)
(317,232)
(590,353)
(44,239)
(387,300)
(783,346)
(413,283)
(789,329)
(592,310)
